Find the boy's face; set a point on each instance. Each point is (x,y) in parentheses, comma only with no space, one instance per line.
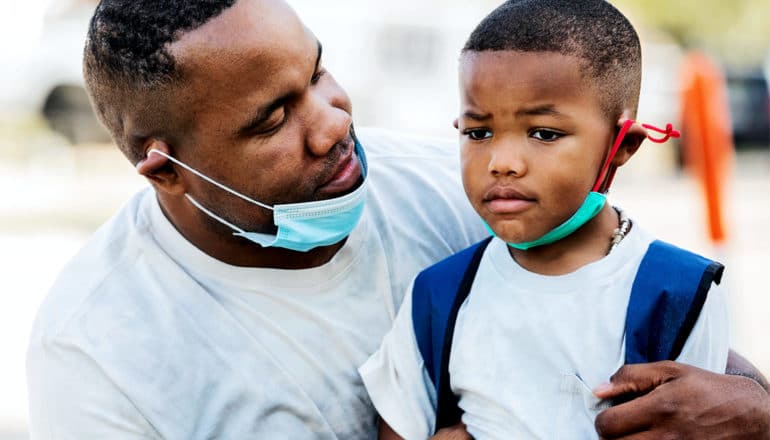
(533,137)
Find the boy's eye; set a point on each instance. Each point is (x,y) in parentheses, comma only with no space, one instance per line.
(545,135)
(478,134)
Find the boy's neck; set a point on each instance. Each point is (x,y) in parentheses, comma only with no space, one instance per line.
(588,244)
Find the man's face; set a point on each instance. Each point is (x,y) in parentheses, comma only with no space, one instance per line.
(265,118)
(533,137)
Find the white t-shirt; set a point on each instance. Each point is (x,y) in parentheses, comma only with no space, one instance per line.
(528,349)
(145,336)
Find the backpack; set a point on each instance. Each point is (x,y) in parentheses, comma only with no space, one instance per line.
(667,296)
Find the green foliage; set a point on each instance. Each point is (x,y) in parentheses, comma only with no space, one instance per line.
(736,30)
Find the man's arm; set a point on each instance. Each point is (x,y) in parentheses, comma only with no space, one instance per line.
(738,365)
(685,402)
(71,398)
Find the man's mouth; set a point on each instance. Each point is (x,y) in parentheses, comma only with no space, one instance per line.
(346,174)
(506,200)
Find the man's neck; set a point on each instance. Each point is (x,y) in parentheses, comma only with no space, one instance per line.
(588,244)
(219,243)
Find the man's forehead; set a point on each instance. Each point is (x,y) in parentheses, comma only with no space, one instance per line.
(248,29)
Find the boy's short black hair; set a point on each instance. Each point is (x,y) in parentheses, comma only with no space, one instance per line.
(126,57)
(592,30)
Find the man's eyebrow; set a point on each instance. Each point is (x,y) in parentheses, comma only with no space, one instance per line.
(541,110)
(476,116)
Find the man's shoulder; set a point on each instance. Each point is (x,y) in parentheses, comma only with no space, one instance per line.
(104,264)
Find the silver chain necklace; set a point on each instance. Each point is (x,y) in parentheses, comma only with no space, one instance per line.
(624,225)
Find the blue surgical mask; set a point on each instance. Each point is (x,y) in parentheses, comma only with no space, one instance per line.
(301,226)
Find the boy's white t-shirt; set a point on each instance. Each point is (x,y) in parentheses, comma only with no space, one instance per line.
(528,349)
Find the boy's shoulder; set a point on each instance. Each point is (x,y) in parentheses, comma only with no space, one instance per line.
(451,269)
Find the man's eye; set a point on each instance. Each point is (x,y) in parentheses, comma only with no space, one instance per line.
(276,122)
(317,76)
(546,135)
(478,134)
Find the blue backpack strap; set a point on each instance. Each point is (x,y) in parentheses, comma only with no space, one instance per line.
(667,296)
(437,295)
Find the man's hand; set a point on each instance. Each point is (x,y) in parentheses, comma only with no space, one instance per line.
(679,401)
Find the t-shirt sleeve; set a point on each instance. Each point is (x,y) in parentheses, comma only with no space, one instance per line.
(70,397)
(708,344)
(397,381)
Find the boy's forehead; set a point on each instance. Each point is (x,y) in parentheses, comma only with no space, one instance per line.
(528,75)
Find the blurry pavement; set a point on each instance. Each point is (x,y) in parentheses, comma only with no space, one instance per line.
(54,197)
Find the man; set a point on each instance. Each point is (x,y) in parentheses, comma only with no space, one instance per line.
(236,298)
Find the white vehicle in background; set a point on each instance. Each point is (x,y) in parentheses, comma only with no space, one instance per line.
(45,77)
(396,59)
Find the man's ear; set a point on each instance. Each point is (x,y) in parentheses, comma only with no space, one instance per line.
(159,170)
(631,142)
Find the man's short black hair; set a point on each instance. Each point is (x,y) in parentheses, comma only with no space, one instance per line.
(126,54)
(592,30)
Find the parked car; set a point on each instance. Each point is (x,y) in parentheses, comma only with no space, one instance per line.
(749,101)
(47,79)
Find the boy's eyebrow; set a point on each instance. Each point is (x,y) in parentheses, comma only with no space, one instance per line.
(477,117)
(541,110)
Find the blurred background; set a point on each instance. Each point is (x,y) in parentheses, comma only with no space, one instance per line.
(60,177)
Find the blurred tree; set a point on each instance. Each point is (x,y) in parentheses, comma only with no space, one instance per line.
(736,30)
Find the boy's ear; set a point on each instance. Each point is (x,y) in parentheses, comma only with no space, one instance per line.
(631,142)
(159,170)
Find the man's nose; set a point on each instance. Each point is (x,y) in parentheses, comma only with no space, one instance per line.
(329,125)
(507,160)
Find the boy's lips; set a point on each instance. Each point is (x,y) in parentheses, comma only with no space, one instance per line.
(506,200)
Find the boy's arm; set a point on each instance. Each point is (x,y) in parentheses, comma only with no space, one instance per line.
(397,383)
(457,432)
(682,401)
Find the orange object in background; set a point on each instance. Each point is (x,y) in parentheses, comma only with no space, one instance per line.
(707,144)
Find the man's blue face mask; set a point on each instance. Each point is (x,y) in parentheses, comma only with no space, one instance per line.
(301,226)
(597,198)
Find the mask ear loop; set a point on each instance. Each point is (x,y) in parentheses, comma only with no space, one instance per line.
(668,133)
(615,147)
(209,179)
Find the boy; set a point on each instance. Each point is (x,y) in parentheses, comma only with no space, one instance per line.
(569,289)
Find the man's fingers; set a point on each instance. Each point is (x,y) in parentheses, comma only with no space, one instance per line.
(646,435)
(638,379)
(634,416)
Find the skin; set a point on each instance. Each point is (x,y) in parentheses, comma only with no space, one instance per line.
(683,402)
(288,154)
(241,61)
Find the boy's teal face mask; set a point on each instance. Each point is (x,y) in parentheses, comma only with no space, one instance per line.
(301,226)
(597,198)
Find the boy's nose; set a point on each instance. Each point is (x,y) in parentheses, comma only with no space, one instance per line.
(505,161)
